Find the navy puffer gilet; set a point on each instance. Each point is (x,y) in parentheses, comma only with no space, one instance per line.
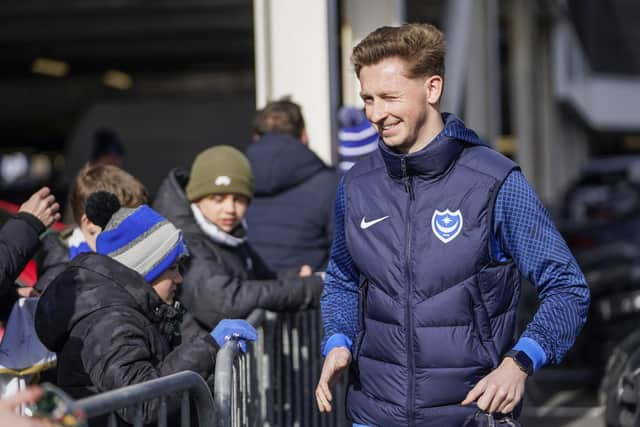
(437,314)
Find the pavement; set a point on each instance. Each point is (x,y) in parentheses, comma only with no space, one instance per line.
(576,407)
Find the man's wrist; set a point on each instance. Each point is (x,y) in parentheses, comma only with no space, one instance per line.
(33,221)
(337,340)
(521,359)
(533,350)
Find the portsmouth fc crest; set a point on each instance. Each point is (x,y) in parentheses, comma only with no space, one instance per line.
(446,225)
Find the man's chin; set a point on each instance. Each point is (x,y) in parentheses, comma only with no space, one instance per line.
(400,146)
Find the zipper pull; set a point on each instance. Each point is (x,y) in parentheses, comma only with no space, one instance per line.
(403,167)
(410,186)
(406,180)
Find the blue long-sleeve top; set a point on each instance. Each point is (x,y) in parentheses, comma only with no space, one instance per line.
(523,231)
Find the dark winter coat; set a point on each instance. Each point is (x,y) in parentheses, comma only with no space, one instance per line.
(227,282)
(110,329)
(19,241)
(290,220)
(53,258)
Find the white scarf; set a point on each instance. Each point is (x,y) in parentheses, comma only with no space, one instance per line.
(214,232)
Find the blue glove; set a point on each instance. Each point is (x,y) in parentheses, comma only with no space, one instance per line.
(238,329)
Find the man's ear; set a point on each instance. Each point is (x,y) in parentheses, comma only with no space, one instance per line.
(433,88)
(88,227)
(304,137)
(90,231)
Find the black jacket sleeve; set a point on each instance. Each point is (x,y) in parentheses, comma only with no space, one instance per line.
(52,260)
(19,241)
(212,293)
(117,353)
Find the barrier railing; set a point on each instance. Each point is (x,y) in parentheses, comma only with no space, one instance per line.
(274,383)
(193,389)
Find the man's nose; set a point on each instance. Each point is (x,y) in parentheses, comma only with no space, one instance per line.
(177,278)
(229,205)
(377,112)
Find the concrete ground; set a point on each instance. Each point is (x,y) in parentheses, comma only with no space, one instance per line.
(566,408)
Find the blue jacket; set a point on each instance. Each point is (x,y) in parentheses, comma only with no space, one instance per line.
(290,219)
(430,289)
(515,226)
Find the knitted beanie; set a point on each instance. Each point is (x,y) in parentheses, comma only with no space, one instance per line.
(220,170)
(357,137)
(139,238)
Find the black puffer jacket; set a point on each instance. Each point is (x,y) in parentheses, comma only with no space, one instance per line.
(227,282)
(291,216)
(53,258)
(19,241)
(110,329)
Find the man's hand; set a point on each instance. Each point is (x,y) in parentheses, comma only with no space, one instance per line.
(42,204)
(335,362)
(8,417)
(27,292)
(305,271)
(501,390)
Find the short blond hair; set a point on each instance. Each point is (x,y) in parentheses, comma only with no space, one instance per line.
(422,46)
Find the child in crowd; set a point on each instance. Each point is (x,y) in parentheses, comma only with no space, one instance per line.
(224,276)
(111,316)
(58,249)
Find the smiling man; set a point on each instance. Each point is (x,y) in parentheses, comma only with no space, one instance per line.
(432,234)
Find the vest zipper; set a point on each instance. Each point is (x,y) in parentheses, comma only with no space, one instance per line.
(408,185)
(406,180)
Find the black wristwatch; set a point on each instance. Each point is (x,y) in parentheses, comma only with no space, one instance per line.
(522,360)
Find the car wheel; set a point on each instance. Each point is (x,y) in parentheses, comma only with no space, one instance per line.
(620,387)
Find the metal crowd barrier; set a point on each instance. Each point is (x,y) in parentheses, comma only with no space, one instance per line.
(193,389)
(274,383)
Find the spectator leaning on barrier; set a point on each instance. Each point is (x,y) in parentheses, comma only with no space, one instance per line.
(432,233)
(111,316)
(19,241)
(290,218)
(59,248)
(224,277)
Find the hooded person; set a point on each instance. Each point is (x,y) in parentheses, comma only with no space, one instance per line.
(111,316)
(290,219)
(224,277)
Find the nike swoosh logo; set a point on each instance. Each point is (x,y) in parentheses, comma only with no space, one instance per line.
(364,224)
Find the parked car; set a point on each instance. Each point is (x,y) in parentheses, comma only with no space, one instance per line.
(601,223)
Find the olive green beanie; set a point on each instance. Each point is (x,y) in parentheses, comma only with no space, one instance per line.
(220,170)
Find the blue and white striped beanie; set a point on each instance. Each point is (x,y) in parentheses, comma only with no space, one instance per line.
(357,137)
(141,239)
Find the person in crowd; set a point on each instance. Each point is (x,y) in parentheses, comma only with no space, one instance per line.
(224,277)
(59,248)
(356,138)
(290,219)
(112,317)
(107,148)
(432,234)
(19,241)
